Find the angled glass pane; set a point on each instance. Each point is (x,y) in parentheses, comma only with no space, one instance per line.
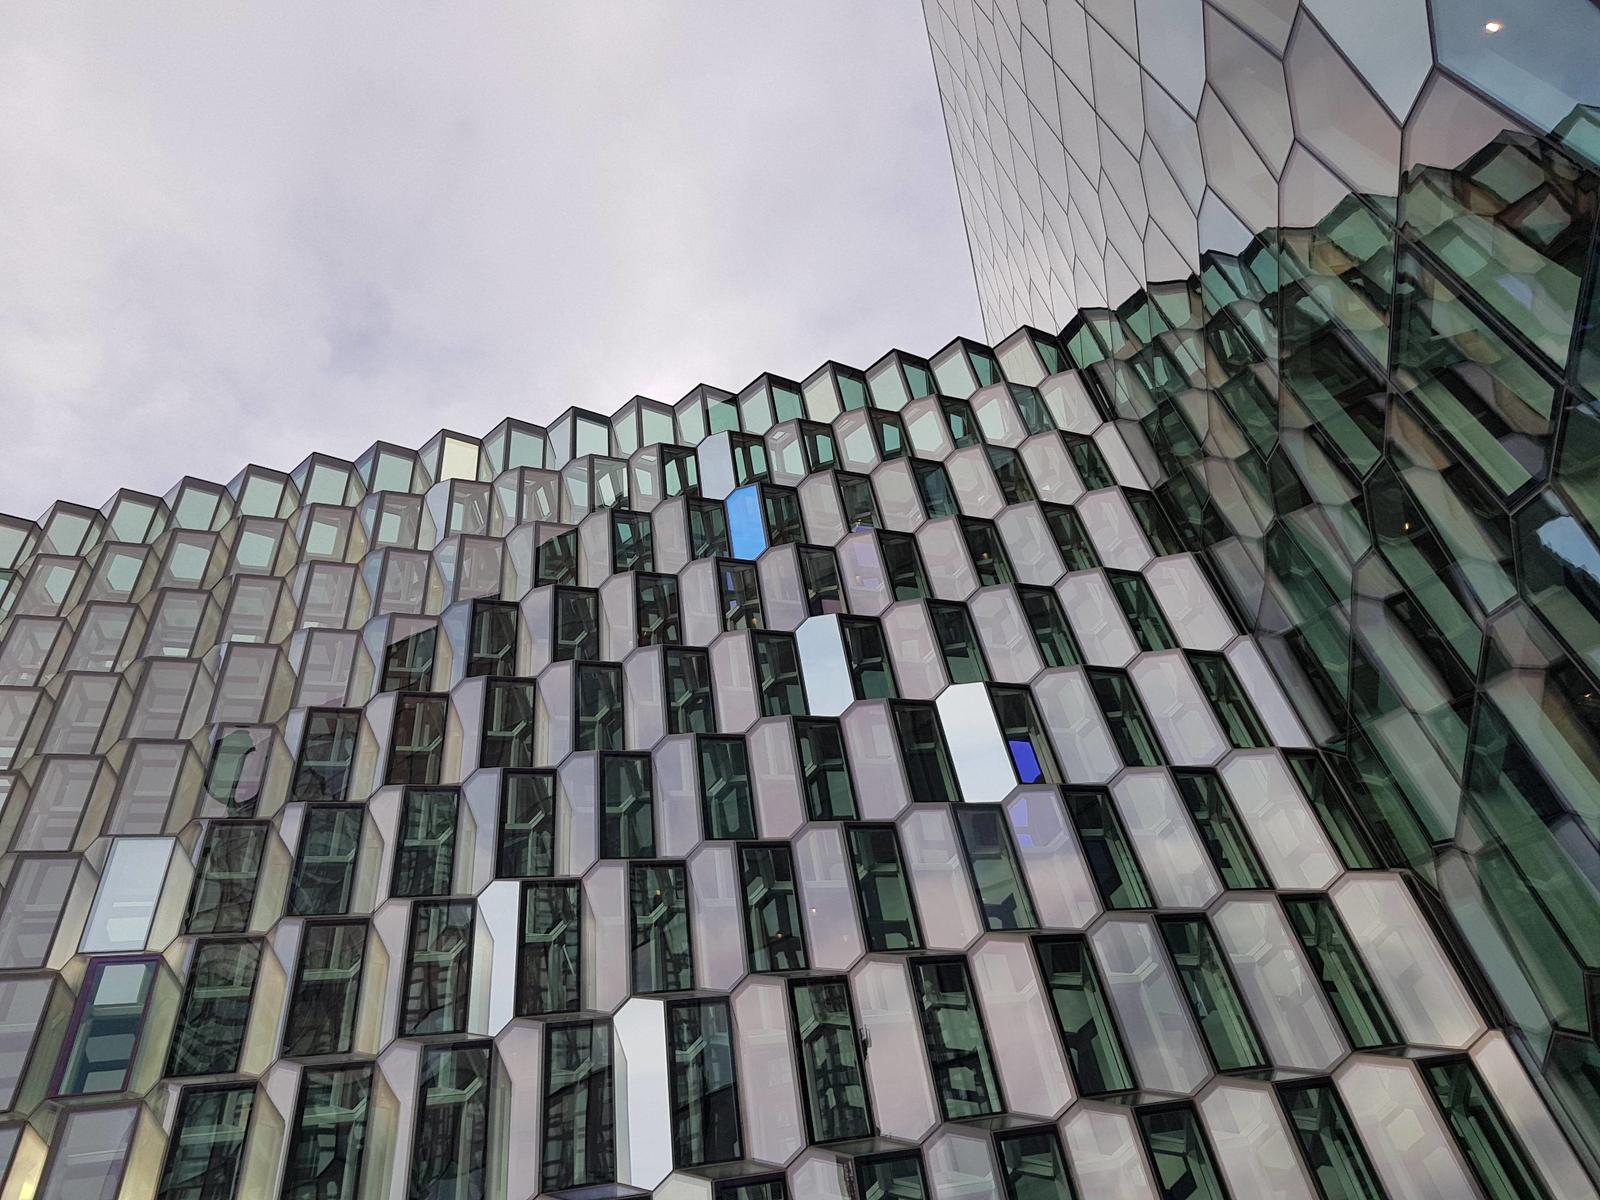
(579,1121)
(627,807)
(1229,701)
(1032,1166)
(329,1137)
(727,800)
(1051,633)
(930,777)
(1339,969)
(438,977)
(508,724)
(526,845)
(659,908)
(1144,613)
(778,679)
(325,867)
(425,853)
(548,959)
(824,771)
(1083,1015)
(992,862)
(1226,839)
(1328,1142)
(690,708)
(597,717)
(1125,717)
(1185,1168)
(958,1049)
(327,750)
(225,887)
(1207,983)
(888,915)
(702,1086)
(830,1060)
(1118,876)
(327,989)
(774,938)
(577,624)
(206,1150)
(958,642)
(450,1148)
(106,1025)
(216,1009)
(871,668)
(492,642)
(1494,1152)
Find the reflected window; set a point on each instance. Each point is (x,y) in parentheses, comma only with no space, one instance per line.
(1051,633)
(1084,1016)
(1185,1168)
(774,939)
(830,1060)
(867,653)
(930,777)
(416,748)
(1355,999)
(1071,539)
(727,800)
(824,769)
(741,594)
(819,572)
(526,845)
(958,642)
(210,1030)
(952,1030)
(327,751)
(1226,838)
(597,711)
(325,867)
(1032,1166)
(329,1137)
(657,606)
(550,954)
(1213,997)
(631,546)
(989,559)
(507,724)
(1118,877)
(556,560)
(902,564)
(992,864)
(659,904)
(327,989)
(1328,1142)
(492,643)
(687,680)
(883,895)
(933,485)
(1128,724)
(1144,614)
(408,663)
(577,624)
(438,968)
(206,1150)
(778,681)
(425,851)
(579,1147)
(450,1148)
(627,807)
(1010,473)
(708,529)
(225,888)
(702,1088)
(1229,700)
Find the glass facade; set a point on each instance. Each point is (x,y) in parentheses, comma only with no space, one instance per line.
(1153,755)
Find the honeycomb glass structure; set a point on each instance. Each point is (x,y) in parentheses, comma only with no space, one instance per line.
(1152,756)
(1330,269)
(865,787)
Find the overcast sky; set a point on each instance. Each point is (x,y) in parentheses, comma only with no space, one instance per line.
(235,234)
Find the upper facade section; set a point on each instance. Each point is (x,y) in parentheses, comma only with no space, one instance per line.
(1105,144)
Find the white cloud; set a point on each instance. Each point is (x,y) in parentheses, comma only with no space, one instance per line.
(243,233)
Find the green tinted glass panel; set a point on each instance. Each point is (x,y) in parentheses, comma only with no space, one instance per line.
(329,1138)
(425,858)
(824,771)
(830,1060)
(325,868)
(996,876)
(1224,834)
(1341,972)
(887,913)
(1184,1167)
(958,1050)
(450,1148)
(527,824)
(579,1121)
(1229,701)
(1213,999)
(597,717)
(216,1009)
(659,902)
(1144,613)
(726,797)
(958,642)
(871,671)
(206,1149)
(548,960)
(1032,1166)
(1117,875)
(702,1086)
(929,774)
(1083,1015)
(1124,712)
(1497,1157)
(438,978)
(627,807)
(897,1177)
(1328,1143)
(774,938)
(327,989)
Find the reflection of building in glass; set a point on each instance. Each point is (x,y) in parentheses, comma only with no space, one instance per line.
(1334,279)
(1155,759)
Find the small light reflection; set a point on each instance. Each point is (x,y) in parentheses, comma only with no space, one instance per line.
(1493,26)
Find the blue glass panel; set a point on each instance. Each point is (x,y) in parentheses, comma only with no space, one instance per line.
(745,528)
